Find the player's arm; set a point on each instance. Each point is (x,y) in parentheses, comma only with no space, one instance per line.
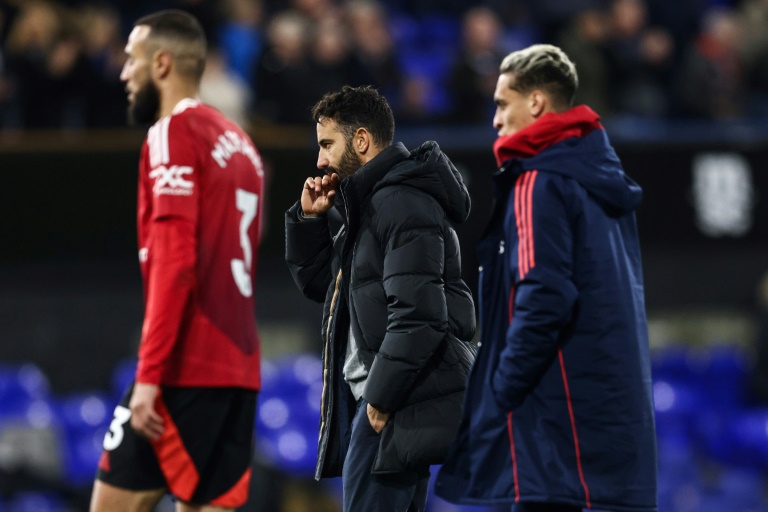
(170,284)
(545,293)
(308,242)
(171,273)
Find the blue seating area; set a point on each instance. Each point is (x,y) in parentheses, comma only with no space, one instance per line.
(713,443)
(288,416)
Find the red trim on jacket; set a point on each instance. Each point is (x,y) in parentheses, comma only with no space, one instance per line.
(514,457)
(573,427)
(526,258)
(510,432)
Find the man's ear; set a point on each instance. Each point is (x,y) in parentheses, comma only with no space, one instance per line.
(162,62)
(362,141)
(537,103)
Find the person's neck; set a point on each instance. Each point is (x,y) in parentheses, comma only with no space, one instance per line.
(170,99)
(371,154)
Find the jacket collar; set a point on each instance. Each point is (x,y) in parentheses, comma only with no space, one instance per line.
(546,131)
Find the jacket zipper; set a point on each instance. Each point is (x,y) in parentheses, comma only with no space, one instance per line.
(324,415)
(326,377)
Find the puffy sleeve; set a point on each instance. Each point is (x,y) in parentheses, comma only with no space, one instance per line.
(409,227)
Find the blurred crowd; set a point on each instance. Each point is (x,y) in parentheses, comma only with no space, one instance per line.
(436,61)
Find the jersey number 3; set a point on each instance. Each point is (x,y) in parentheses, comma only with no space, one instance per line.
(247,203)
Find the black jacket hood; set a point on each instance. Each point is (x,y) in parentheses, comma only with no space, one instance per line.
(426,168)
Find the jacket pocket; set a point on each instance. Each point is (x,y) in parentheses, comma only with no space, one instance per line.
(419,435)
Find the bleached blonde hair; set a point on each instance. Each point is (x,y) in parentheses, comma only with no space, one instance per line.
(545,67)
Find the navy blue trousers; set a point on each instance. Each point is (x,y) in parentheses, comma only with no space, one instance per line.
(400,492)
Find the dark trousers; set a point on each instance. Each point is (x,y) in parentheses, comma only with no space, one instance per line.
(400,492)
(544,507)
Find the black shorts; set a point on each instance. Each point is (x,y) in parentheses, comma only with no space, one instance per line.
(205,451)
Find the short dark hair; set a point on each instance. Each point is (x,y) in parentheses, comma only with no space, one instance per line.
(358,107)
(180,33)
(543,66)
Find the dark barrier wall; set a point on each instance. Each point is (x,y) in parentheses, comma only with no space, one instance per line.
(70,293)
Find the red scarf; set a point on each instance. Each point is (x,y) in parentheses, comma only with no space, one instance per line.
(549,129)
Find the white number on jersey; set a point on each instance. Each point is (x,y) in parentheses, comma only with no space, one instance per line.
(247,203)
(114,437)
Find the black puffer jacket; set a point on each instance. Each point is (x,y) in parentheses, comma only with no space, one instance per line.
(391,271)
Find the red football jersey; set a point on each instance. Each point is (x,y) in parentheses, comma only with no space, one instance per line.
(199,221)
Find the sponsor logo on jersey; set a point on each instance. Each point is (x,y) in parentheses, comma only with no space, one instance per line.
(230,143)
(170,180)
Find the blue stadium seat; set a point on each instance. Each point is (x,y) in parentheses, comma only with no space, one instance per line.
(742,489)
(677,406)
(724,374)
(289,413)
(672,364)
(84,420)
(122,376)
(748,433)
(433,66)
(405,30)
(85,411)
(36,502)
(84,449)
(440,32)
(20,385)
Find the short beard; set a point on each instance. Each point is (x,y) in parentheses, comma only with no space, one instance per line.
(145,107)
(348,164)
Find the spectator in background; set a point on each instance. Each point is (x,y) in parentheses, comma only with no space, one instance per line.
(374,47)
(413,108)
(640,61)
(681,18)
(473,76)
(710,81)
(240,36)
(754,53)
(103,48)
(332,62)
(518,31)
(207,12)
(45,59)
(6,85)
(584,41)
(421,7)
(316,10)
(223,89)
(284,75)
(552,16)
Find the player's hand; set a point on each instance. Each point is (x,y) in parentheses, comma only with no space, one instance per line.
(377,418)
(144,418)
(318,194)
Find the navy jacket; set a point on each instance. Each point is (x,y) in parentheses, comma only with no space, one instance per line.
(559,406)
